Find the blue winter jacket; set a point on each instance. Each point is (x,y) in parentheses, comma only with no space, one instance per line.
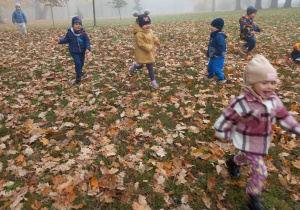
(78,43)
(19,17)
(217,45)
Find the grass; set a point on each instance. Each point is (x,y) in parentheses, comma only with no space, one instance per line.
(108,110)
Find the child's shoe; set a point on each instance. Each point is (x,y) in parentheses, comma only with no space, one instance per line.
(244,50)
(154,84)
(132,67)
(233,169)
(254,203)
(209,77)
(222,81)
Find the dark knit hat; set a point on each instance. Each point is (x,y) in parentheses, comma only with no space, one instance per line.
(251,10)
(142,19)
(218,23)
(76,19)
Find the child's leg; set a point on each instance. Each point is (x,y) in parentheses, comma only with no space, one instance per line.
(150,70)
(24,28)
(138,67)
(78,66)
(217,67)
(82,58)
(259,174)
(20,27)
(210,68)
(251,42)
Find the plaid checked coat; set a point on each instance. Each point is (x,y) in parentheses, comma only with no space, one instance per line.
(249,122)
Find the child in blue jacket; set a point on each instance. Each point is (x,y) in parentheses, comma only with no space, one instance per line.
(79,45)
(216,50)
(19,17)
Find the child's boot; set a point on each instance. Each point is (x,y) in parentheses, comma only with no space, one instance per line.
(132,67)
(154,84)
(233,169)
(254,203)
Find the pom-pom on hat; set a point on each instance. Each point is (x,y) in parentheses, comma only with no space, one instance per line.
(76,19)
(18,5)
(142,19)
(259,69)
(251,10)
(218,23)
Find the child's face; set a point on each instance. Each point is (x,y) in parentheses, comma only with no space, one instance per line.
(252,15)
(264,89)
(146,27)
(18,8)
(213,29)
(77,26)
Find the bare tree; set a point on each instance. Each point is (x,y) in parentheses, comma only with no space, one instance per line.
(137,6)
(274,4)
(287,4)
(258,4)
(54,3)
(118,4)
(238,5)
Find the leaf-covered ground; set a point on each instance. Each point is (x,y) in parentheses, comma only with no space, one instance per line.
(111,142)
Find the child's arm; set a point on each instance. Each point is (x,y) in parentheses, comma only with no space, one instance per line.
(87,43)
(24,16)
(64,40)
(142,44)
(244,24)
(224,123)
(286,119)
(221,46)
(13,17)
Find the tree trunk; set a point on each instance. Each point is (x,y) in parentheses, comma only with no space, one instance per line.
(52,16)
(1,20)
(238,5)
(258,4)
(274,4)
(119,13)
(213,5)
(287,4)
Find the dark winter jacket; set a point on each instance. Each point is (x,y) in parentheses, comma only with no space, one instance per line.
(217,44)
(246,27)
(78,43)
(19,17)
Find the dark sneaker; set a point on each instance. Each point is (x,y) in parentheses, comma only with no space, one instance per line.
(233,169)
(254,203)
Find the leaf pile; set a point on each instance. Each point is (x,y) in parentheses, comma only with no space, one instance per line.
(111,142)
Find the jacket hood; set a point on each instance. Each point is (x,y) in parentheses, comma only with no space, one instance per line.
(137,28)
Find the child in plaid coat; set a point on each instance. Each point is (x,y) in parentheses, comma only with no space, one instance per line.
(248,122)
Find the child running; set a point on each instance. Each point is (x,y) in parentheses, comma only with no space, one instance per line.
(145,45)
(19,17)
(79,45)
(248,122)
(216,50)
(248,29)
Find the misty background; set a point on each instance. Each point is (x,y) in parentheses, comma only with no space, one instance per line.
(34,10)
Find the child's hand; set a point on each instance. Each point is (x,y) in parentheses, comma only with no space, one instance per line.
(153,48)
(87,53)
(57,40)
(262,29)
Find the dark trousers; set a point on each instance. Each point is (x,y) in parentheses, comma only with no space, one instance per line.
(150,70)
(79,62)
(250,43)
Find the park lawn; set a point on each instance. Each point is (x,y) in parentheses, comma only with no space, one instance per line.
(112,142)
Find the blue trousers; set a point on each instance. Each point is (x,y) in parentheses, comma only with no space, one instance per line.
(250,43)
(79,62)
(215,67)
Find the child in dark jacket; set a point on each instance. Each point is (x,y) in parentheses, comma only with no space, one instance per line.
(296,53)
(19,17)
(79,45)
(248,123)
(248,29)
(216,50)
